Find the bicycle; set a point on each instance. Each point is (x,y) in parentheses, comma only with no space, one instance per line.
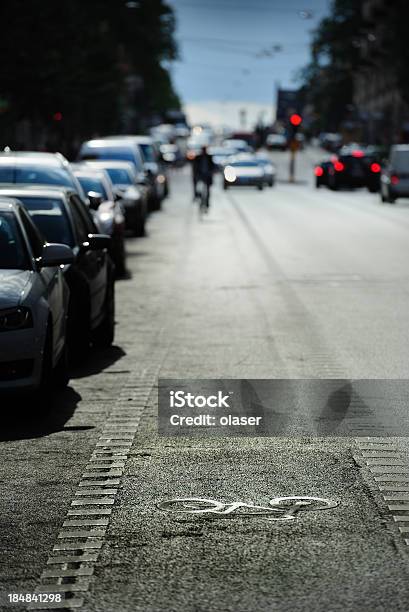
(204,196)
(279,508)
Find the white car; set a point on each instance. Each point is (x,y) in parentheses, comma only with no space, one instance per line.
(276,142)
(268,167)
(33,304)
(244,172)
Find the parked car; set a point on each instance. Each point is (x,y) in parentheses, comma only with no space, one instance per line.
(34,300)
(276,142)
(38,168)
(62,217)
(395,174)
(132,195)
(154,168)
(268,167)
(172,154)
(120,148)
(351,168)
(243,173)
(109,215)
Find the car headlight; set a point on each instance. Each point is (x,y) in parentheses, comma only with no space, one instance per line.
(15,318)
(229,174)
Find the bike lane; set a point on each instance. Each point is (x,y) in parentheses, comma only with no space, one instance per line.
(348,557)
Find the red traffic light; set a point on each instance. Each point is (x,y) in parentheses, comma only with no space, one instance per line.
(295,119)
(57,116)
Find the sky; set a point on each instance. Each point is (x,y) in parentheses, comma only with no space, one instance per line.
(234,53)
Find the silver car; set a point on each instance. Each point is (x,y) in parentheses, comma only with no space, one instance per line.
(37,168)
(33,304)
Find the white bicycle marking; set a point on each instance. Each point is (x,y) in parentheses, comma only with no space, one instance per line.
(288,507)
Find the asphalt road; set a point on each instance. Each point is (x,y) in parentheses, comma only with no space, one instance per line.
(291,282)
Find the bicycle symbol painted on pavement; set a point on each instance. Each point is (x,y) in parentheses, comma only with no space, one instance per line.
(279,508)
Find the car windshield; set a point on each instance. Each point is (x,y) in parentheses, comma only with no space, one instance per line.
(148,152)
(119,153)
(36,175)
(91,183)
(119,176)
(50,216)
(244,164)
(13,254)
(400,161)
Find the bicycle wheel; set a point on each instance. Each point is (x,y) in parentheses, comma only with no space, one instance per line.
(303,503)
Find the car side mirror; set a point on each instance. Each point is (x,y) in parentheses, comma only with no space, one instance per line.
(95,199)
(142,179)
(118,193)
(56,255)
(96,242)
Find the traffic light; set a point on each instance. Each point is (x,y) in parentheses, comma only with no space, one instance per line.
(295,119)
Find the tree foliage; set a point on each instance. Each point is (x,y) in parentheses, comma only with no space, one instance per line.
(328,78)
(77,58)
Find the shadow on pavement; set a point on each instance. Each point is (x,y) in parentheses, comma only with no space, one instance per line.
(97,361)
(335,410)
(295,182)
(25,417)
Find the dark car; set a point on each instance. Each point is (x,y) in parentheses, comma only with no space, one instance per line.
(108,213)
(395,174)
(132,195)
(62,217)
(352,168)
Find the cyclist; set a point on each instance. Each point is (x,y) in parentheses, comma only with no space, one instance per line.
(203,168)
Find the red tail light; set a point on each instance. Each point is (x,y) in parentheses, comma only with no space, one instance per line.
(375,167)
(394,179)
(339,166)
(318,171)
(357,153)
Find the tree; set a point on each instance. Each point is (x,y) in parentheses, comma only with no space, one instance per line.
(66,65)
(328,78)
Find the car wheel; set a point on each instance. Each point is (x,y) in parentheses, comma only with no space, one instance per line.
(317,184)
(60,373)
(120,259)
(389,197)
(225,186)
(104,334)
(260,187)
(271,183)
(139,229)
